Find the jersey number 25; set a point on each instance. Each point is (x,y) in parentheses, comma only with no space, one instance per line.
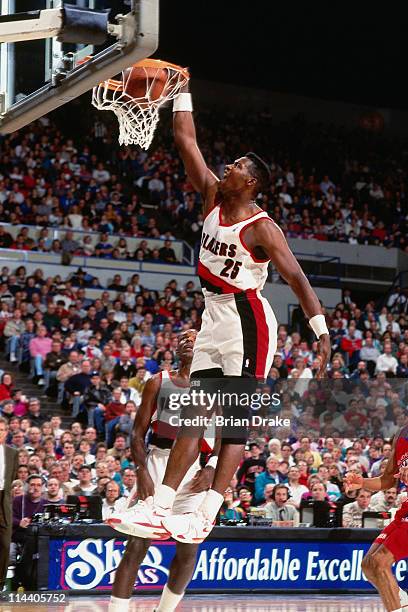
(231,268)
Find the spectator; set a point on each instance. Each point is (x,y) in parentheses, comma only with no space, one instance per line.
(84,486)
(108,362)
(71,367)
(245,500)
(76,386)
(12,332)
(333,491)
(138,381)
(95,400)
(353,513)
(369,354)
(296,490)
(129,481)
(17,488)
(52,363)
(24,342)
(386,362)
(270,476)
(124,368)
(25,506)
(6,387)
(126,421)
(324,510)
(39,347)
(114,410)
(167,253)
(128,393)
(251,467)
(34,412)
(113,502)
(384,501)
(279,510)
(69,244)
(54,493)
(229,511)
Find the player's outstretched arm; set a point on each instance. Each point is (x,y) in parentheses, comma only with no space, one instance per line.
(203,180)
(353,481)
(270,238)
(145,486)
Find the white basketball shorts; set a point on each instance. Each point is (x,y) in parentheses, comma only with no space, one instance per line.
(238,334)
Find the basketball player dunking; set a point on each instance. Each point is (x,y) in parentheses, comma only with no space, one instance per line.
(238,338)
(151,466)
(392,543)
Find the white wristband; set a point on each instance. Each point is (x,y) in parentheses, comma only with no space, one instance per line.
(318,324)
(212,462)
(183,102)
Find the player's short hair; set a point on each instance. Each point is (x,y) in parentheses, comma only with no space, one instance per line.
(260,171)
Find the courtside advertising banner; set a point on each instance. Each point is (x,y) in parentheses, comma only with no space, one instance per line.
(221,565)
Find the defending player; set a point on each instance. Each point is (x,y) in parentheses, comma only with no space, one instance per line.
(237,340)
(392,543)
(150,470)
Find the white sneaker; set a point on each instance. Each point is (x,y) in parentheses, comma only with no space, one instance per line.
(13,358)
(143,520)
(190,528)
(41,382)
(403,598)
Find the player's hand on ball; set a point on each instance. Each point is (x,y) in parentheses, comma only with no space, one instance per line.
(145,485)
(203,480)
(402,475)
(352,481)
(324,345)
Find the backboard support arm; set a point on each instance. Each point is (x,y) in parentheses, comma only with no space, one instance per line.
(137,38)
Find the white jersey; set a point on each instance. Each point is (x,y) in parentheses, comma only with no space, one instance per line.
(161,418)
(164,416)
(226,265)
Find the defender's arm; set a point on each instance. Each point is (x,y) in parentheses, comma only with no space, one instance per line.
(145,486)
(353,481)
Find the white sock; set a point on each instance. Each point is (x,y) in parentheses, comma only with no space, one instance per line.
(403,595)
(117,604)
(164,496)
(169,600)
(211,504)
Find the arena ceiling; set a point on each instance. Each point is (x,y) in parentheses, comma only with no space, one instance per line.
(314,49)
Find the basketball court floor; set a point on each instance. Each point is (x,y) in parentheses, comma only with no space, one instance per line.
(223,603)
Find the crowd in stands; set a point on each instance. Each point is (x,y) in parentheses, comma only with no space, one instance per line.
(93,357)
(328,183)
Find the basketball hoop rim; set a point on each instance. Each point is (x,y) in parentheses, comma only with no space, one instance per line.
(138,114)
(116,85)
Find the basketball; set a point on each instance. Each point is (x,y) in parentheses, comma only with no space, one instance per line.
(142,81)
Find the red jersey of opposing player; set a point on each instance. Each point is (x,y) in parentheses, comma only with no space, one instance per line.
(395,536)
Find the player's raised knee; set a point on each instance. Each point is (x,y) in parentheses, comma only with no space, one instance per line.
(376,562)
(367,565)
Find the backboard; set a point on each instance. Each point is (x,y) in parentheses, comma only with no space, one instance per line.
(37,76)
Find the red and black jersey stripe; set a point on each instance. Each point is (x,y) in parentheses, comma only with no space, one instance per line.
(213,283)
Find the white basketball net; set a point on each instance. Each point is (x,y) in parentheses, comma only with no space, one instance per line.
(137,117)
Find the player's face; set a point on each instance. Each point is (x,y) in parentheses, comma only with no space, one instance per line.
(237,176)
(186,344)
